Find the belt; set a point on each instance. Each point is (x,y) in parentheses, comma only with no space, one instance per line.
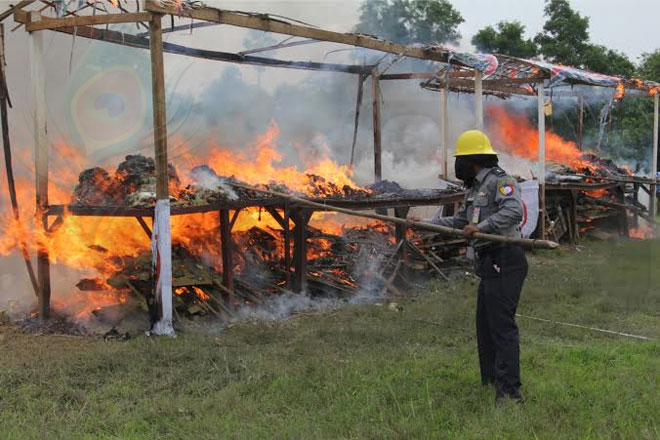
(486,250)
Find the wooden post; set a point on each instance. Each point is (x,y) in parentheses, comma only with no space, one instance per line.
(6,144)
(162,237)
(478,100)
(653,202)
(444,129)
(574,221)
(580,122)
(375,97)
(541,127)
(300,217)
(227,256)
(287,245)
(41,151)
(358,104)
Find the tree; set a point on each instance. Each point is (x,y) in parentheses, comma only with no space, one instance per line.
(600,59)
(411,21)
(507,40)
(649,67)
(565,36)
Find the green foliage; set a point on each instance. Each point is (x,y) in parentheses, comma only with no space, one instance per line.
(507,39)
(411,21)
(565,36)
(600,59)
(649,67)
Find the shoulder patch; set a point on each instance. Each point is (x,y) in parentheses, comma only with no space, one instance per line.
(506,186)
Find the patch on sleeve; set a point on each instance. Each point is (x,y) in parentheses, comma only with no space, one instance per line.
(507,189)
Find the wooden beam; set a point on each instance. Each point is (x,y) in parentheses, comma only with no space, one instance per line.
(398,76)
(162,236)
(130,40)
(653,206)
(444,131)
(268,24)
(580,122)
(86,20)
(38,74)
(278,46)
(227,257)
(160,120)
(467,85)
(375,98)
(478,100)
(12,9)
(541,128)
(300,217)
(11,185)
(358,104)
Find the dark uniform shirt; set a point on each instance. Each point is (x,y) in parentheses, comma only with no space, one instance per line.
(493,203)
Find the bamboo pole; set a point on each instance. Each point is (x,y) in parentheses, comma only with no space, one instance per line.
(653,205)
(375,98)
(444,129)
(161,234)
(358,104)
(4,99)
(38,74)
(541,127)
(525,242)
(478,100)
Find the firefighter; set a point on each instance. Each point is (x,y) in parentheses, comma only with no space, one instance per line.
(492,205)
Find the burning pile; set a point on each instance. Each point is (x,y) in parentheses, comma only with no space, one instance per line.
(585,193)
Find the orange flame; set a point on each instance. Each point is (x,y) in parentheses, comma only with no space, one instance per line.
(96,246)
(513,134)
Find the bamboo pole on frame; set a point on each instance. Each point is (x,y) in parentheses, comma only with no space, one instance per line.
(478,100)
(375,97)
(444,129)
(541,126)
(653,205)
(161,235)
(40,137)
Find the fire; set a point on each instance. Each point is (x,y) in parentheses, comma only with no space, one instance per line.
(620,91)
(514,134)
(96,246)
(260,162)
(597,193)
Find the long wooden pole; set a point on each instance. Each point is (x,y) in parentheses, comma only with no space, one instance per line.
(541,127)
(358,104)
(161,236)
(38,73)
(375,97)
(526,242)
(653,205)
(444,129)
(478,100)
(4,99)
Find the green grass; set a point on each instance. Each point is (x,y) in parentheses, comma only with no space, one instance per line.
(364,372)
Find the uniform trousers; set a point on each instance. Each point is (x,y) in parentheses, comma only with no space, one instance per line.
(502,270)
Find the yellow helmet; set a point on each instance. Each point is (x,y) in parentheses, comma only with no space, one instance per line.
(473,142)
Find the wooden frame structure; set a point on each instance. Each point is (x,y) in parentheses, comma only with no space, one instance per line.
(149,15)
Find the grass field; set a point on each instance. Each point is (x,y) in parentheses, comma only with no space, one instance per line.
(364,372)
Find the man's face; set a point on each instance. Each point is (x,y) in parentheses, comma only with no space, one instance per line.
(464,169)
